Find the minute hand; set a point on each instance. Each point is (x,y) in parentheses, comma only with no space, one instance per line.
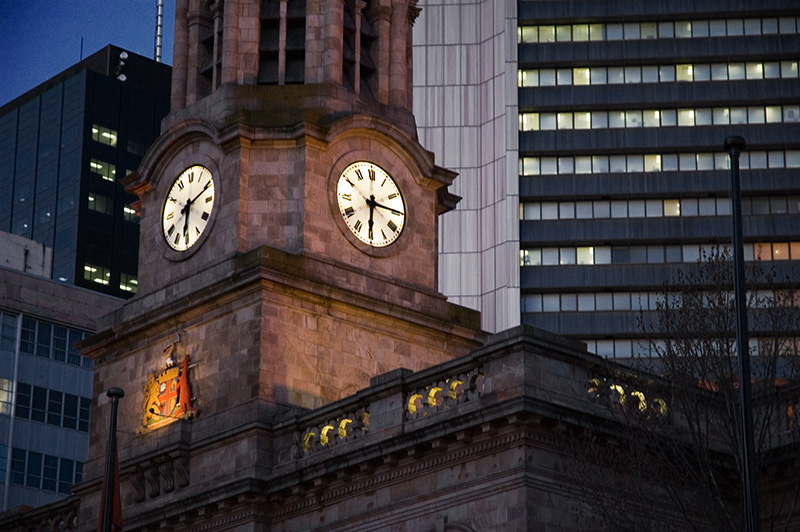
(393,211)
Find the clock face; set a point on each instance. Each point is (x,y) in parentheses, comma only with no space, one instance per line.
(371,204)
(187,207)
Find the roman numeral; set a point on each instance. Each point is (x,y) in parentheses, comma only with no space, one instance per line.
(357,226)
(204,216)
(191,177)
(391,225)
(181,185)
(349,212)
(383,234)
(173,200)
(349,182)
(359,174)
(383,182)
(347,197)
(169,216)
(197,230)
(170,230)
(177,238)
(209,199)
(371,172)
(393,195)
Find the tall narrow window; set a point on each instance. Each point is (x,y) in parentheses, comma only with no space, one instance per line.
(282,42)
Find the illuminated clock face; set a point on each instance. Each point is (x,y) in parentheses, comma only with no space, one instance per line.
(188,207)
(371,204)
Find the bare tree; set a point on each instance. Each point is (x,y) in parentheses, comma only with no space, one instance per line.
(671,451)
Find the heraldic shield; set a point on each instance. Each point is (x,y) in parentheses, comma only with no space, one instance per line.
(167,395)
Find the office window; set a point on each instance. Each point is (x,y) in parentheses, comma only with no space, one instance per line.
(8,331)
(70,419)
(105,170)
(39,404)
(684,73)
(18,459)
(129,214)
(683,29)
(736,71)
(55,404)
(83,414)
(50,473)
(66,475)
(28,335)
(651,118)
(33,470)
(128,282)
(97,274)
(104,135)
(650,74)
(581,76)
(6,391)
(100,203)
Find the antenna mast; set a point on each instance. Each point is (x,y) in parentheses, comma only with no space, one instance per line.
(159,24)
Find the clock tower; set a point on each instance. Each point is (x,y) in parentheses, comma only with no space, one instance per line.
(288,246)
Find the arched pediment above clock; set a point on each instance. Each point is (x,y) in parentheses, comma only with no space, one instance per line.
(171,142)
(405,147)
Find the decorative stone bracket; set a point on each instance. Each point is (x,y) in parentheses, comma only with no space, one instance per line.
(160,475)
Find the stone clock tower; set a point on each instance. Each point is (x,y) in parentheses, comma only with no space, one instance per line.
(288,245)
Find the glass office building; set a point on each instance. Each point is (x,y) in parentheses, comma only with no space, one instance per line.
(589,140)
(63,146)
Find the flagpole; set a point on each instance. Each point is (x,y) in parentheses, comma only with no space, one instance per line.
(107,501)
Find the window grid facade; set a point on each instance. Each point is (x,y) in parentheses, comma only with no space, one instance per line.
(682,29)
(667,162)
(682,72)
(44,472)
(704,116)
(48,340)
(649,254)
(655,208)
(53,407)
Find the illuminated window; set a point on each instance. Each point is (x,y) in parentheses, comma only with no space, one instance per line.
(128,283)
(105,170)
(104,135)
(100,203)
(129,214)
(6,394)
(96,274)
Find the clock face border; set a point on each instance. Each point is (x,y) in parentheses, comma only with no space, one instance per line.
(171,253)
(345,162)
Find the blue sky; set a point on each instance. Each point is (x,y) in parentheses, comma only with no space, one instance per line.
(40,38)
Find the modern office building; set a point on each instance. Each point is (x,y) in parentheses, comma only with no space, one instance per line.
(589,136)
(45,385)
(63,145)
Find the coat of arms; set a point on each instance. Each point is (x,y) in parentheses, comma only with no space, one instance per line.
(167,394)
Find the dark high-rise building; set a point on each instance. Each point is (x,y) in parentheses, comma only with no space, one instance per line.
(602,125)
(63,145)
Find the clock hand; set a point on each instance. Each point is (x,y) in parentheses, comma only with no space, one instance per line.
(370,223)
(393,211)
(200,193)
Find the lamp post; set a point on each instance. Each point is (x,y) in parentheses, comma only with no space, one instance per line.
(734,145)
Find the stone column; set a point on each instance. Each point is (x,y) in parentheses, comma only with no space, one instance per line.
(230,42)
(333,35)
(180,50)
(398,61)
(379,16)
(198,22)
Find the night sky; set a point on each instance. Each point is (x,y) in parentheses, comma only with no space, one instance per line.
(40,38)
